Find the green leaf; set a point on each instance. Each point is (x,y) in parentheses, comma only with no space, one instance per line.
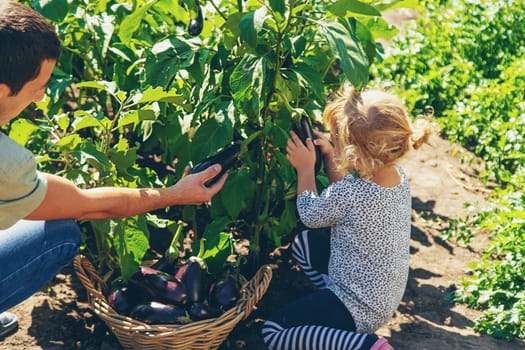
(131,23)
(103,26)
(55,10)
(412,4)
(310,79)
(131,241)
(108,86)
(166,58)
(288,220)
(123,157)
(71,141)
(236,193)
(134,117)
(251,24)
(62,121)
(344,8)
(248,84)
(278,6)
(21,131)
(379,28)
(346,46)
(88,153)
(210,136)
(83,119)
(157,94)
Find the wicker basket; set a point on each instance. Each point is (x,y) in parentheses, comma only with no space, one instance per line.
(205,334)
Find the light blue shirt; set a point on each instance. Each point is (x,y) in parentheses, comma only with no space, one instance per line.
(22,187)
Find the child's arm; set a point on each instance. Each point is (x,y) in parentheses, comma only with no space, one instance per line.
(328,153)
(302,159)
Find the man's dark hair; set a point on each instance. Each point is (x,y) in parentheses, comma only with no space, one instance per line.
(26,40)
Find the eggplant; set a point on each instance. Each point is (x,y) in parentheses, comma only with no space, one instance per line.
(124,297)
(181,271)
(303,129)
(159,285)
(160,313)
(196,24)
(202,311)
(119,300)
(194,279)
(225,292)
(225,157)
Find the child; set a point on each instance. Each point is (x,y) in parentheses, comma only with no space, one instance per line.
(360,263)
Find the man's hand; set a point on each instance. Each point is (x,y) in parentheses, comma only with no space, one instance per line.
(192,189)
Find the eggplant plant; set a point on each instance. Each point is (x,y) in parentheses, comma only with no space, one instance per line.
(136,97)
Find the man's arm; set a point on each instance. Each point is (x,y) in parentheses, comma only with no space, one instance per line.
(64,200)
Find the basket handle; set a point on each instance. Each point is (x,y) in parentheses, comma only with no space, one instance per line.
(254,290)
(87,274)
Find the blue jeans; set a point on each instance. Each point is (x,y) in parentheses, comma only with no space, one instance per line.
(31,253)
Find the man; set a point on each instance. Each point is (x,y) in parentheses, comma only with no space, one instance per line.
(38,234)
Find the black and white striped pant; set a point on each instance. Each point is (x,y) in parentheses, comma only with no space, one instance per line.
(319,320)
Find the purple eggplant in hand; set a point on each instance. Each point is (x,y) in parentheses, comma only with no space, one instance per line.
(225,157)
(159,313)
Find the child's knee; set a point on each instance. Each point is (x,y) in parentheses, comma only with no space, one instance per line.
(299,245)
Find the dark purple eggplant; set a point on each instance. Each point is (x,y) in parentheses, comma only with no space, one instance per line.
(303,129)
(194,279)
(118,300)
(159,285)
(225,157)
(123,298)
(159,313)
(202,311)
(196,24)
(181,270)
(225,292)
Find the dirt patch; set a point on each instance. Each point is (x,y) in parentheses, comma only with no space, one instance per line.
(58,317)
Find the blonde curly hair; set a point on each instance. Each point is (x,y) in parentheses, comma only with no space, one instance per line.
(372,129)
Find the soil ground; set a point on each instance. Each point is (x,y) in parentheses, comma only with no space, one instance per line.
(58,317)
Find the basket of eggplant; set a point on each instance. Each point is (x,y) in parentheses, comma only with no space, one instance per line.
(173,305)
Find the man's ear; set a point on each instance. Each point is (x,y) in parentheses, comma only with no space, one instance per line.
(4,91)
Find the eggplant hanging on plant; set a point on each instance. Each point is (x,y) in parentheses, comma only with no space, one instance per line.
(196,24)
(155,312)
(225,157)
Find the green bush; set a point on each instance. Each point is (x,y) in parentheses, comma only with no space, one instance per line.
(135,99)
(465,59)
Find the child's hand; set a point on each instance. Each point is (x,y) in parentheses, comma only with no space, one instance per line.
(324,144)
(300,156)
